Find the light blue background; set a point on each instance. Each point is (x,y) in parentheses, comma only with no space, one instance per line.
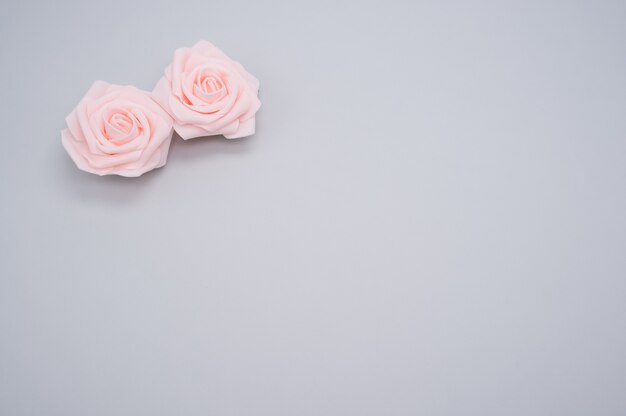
(430,219)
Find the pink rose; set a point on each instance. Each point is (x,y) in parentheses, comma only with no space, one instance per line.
(207,93)
(117,130)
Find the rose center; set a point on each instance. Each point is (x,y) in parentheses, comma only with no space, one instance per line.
(209,87)
(122,121)
(120,127)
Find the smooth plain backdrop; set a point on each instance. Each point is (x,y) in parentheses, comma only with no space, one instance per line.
(430,219)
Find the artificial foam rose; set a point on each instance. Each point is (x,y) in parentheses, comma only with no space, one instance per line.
(207,93)
(117,130)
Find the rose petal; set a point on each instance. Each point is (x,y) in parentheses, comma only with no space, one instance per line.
(190,131)
(246,128)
